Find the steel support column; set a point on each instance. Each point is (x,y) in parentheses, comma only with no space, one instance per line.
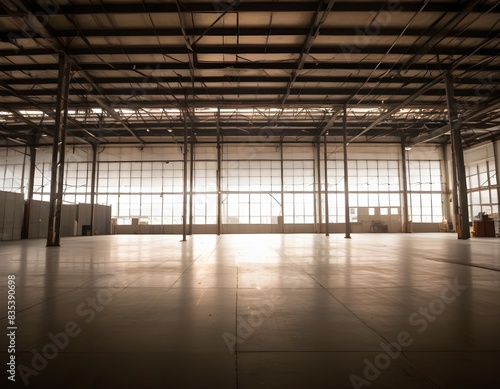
(185,171)
(404,172)
(92,190)
(29,200)
(318,198)
(58,152)
(346,178)
(446,189)
(327,209)
(463,224)
(219,176)
(282,187)
(191,185)
(454,193)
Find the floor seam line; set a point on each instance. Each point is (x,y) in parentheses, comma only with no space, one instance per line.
(383,337)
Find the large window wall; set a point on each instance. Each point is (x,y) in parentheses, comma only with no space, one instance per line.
(148,190)
(372,184)
(298,188)
(425,191)
(148,184)
(77,182)
(11,178)
(13,173)
(205,192)
(482,187)
(251,188)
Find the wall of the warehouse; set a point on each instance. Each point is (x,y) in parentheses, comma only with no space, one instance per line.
(102,218)
(481,167)
(11,215)
(147,185)
(483,186)
(73,218)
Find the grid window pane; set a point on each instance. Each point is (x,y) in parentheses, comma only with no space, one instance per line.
(481,180)
(424,186)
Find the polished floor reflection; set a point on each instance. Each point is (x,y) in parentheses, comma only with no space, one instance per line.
(255,311)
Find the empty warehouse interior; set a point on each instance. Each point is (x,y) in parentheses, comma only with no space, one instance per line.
(250,194)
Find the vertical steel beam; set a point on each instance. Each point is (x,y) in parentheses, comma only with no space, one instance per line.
(327,208)
(23,169)
(404,174)
(346,178)
(409,197)
(31,183)
(454,193)
(219,176)
(191,184)
(92,189)
(464,230)
(282,190)
(318,176)
(58,152)
(185,171)
(446,189)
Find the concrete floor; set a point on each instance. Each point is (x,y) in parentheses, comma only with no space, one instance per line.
(255,311)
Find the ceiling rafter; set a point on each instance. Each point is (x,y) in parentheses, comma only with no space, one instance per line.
(491,105)
(432,41)
(99,99)
(405,80)
(26,8)
(48,111)
(248,49)
(241,31)
(317,20)
(386,115)
(141,65)
(248,90)
(257,6)
(264,65)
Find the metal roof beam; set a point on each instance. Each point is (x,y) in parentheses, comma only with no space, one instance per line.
(432,41)
(364,65)
(330,123)
(228,91)
(108,108)
(8,91)
(242,103)
(243,79)
(259,6)
(317,20)
(28,11)
(31,125)
(252,49)
(491,105)
(20,11)
(396,108)
(246,31)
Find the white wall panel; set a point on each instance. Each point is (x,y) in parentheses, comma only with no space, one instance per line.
(3,235)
